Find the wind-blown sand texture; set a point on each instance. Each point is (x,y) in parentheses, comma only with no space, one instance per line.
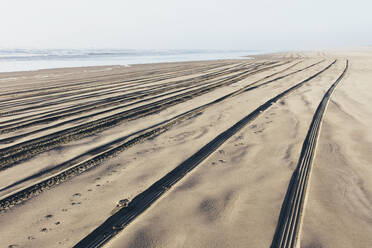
(267,152)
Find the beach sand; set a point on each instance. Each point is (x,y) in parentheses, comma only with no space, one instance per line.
(79,145)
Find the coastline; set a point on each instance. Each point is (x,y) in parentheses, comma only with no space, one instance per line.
(33,62)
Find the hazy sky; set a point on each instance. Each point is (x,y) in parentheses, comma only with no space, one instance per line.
(189,24)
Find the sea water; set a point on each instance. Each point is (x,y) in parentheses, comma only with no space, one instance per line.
(35,59)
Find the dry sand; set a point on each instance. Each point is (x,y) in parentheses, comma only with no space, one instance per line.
(233,198)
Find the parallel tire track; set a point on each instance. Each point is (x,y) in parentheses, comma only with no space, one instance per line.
(107,102)
(25,150)
(96,93)
(78,166)
(144,200)
(139,82)
(124,83)
(289,222)
(105,148)
(78,84)
(115,100)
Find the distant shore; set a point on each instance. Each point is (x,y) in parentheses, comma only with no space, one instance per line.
(26,60)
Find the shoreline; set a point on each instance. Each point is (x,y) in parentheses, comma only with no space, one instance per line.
(113,66)
(15,64)
(125,65)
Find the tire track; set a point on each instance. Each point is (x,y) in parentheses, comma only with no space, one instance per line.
(122,85)
(179,117)
(289,223)
(131,96)
(106,85)
(121,144)
(144,200)
(25,150)
(141,82)
(104,82)
(118,99)
(103,103)
(133,77)
(105,151)
(29,109)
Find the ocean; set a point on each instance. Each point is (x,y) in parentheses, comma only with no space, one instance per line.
(35,59)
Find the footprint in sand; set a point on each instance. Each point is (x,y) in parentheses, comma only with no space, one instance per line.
(48,216)
(239,144)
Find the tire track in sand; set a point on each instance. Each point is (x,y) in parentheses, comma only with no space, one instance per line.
(78,165)
(109,80)
(289,223)
(144,200)
(22,151)
(23,106)
(139,93)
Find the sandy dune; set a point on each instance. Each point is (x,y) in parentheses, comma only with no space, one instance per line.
(272,151)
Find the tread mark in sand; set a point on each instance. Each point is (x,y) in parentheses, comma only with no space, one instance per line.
(289,223)
(27,149)
(144,200)
(74,167)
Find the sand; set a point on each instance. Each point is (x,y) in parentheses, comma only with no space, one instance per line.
(232,198)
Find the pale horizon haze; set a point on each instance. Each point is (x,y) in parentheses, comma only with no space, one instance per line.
(167,24)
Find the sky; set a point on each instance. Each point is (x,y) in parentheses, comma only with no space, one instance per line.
(187,24)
